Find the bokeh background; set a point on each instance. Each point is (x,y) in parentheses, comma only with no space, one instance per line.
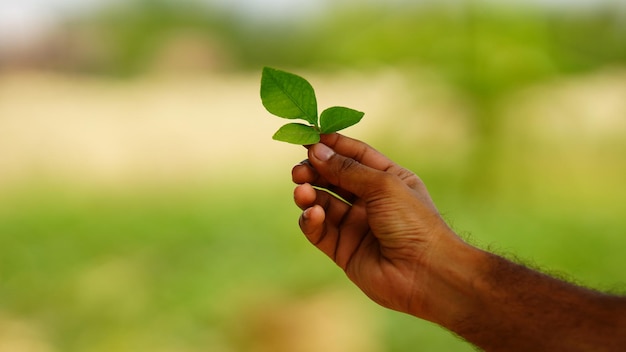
(144,206)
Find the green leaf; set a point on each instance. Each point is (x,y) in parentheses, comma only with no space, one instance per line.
(287,95)
(297,133)
(337,118)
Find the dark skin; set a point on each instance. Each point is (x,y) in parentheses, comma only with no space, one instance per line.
(393,244)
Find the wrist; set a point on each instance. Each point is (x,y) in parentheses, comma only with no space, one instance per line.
(455,279)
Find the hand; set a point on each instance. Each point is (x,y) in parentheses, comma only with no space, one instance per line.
(388,239)
(392,243)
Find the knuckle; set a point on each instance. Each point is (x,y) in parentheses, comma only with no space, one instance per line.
(388,181)
(347,164)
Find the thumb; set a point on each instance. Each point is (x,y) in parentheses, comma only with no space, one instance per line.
(344,172)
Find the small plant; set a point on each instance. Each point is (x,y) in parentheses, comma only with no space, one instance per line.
(292,97)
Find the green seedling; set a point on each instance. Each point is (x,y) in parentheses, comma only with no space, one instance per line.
(292,97)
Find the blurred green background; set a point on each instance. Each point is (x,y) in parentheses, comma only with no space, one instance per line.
(144,206)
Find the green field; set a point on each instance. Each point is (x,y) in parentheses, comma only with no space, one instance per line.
(209,267)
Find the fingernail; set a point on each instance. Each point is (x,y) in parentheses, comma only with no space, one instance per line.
(322,152)
(306,214)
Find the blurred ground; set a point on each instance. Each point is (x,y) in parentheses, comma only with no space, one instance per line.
(171,129)
(164,128)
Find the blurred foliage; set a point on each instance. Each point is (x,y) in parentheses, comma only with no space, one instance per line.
(484,48)
(133,33)
(485,51)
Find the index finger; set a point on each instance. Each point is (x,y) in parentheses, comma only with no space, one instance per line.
(357,150)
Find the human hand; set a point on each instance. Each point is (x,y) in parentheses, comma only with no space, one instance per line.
(393,244)
(391,237)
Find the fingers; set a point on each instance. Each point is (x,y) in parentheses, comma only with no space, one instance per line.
(347,147)
(305,173)
(305,196)
(315,225)
(345,172)
(334,227)
(312,223)
(369,156)
(358,151)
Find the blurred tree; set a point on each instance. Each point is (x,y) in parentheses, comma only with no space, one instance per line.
(137,31)
(485,50)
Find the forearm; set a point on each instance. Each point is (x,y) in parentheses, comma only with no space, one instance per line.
(502,306)
(528,310)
